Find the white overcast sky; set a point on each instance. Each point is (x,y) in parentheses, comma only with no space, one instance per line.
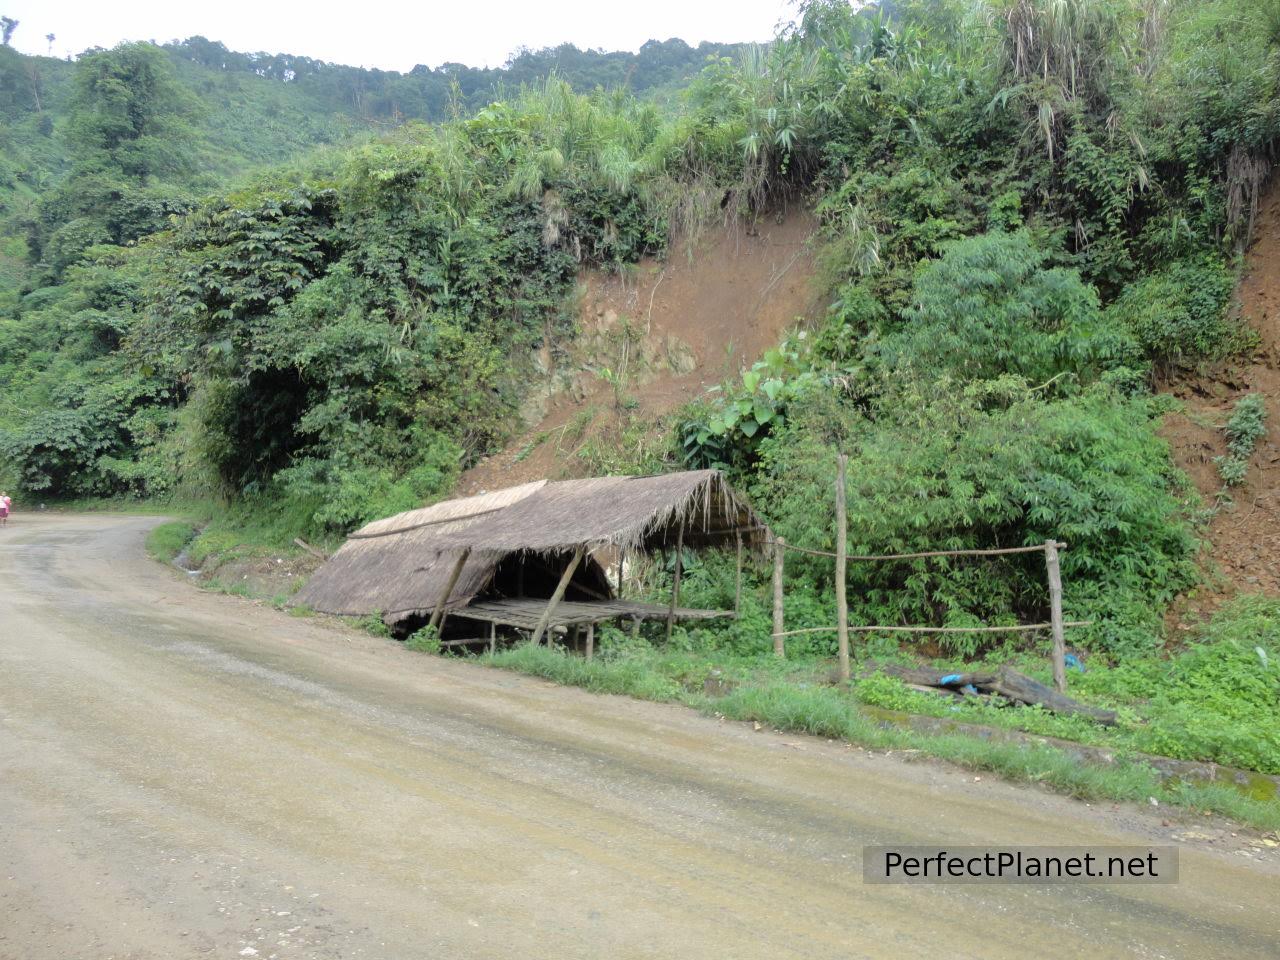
(389,34)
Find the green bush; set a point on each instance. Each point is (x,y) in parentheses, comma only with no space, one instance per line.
(941,467)
(1178,312)
(1244,429)
(424,640)
(1220,698)
(991,306)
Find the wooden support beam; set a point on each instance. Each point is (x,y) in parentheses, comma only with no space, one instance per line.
(779,551)
(557,596)
(675,582)
(737,582)
(437,617)
(493,637)
(1055,616)
(842,551)
(591,640)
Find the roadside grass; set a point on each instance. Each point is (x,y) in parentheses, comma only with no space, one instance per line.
(167,540)
(830,713)
(1201,704)
(631,677)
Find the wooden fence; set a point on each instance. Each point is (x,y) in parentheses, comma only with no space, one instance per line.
(1049,548)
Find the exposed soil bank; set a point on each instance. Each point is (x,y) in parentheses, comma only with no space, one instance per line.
(1244,537)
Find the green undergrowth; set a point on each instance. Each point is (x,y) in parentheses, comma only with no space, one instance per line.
(166,541)
(792,703)
(1214,700)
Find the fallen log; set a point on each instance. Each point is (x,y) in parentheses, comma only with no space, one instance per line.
(929,677)
(1005,682)
(1018,686)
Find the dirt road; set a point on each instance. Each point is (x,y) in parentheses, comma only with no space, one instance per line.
(190,775)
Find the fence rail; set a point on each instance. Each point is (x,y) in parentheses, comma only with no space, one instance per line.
(1053,573)
(1013,628)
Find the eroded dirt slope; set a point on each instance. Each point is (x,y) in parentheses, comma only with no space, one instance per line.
(655,338)
(1244,536)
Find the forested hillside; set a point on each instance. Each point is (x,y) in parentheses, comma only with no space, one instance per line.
(204,115)
(1030,210)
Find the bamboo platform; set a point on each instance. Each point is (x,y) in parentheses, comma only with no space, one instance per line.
(526,612)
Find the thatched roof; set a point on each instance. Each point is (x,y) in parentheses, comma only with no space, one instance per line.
(399,566)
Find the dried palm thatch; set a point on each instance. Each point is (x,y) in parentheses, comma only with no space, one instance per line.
(399,567)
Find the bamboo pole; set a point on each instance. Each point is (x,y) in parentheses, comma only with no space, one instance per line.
(872,628)
(842,549)
(675,582)
(437,617)
(556,597)
(1039,547)
(779,550)
(737,583)
(591,640)
(1055,614)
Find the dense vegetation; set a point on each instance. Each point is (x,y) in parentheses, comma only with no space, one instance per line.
(1030,209)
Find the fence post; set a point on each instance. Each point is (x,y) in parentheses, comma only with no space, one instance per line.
(737,583)
(675,581)
(779,548)
(842,553)
(1055,616)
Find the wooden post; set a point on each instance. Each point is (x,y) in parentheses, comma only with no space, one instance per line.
(737,583)
(591,640)
(437,617)
(1055,616)
(779,547)
(842,554)
(635,628)
(675,580)
(556,597)
(493,636)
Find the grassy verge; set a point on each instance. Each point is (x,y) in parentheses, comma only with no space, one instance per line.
(830,712)
(166,541)
(1208,703)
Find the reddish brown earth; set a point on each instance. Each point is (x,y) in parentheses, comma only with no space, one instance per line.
(1243,538)
(698,317)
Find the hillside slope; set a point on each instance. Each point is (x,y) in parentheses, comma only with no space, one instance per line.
(656,337)
(1244,535)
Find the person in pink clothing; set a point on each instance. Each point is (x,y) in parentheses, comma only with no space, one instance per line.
(5,504)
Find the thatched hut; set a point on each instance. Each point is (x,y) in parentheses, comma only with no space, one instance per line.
(526,557)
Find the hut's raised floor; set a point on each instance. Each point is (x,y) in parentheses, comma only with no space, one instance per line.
(526,612)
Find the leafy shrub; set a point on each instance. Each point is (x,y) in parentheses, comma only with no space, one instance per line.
(728,428)
(348,494)
(374,624)
(1244,429)
(424,640)
(991,306)
(1220,699)
(943,467)
(1178,313)
(1246,426)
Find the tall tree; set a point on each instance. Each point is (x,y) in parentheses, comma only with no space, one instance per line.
(130,115)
